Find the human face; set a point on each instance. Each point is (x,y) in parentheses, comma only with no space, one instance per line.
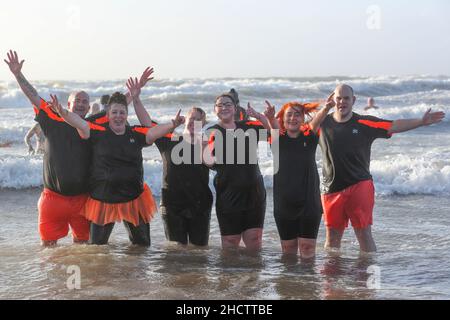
(79,103)
(192,118)
(344,99)
(117,115)
(293,118)
(225,109)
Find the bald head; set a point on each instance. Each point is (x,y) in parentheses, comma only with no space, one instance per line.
(345,99)
(78,103)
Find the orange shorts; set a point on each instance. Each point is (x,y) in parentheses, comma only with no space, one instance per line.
(58,212)
(354,203)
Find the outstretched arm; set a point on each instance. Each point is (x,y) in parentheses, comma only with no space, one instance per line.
(410,124)
(321,115)
(134,90)
(161,130)
(16,68)
(145,77)
(71,118)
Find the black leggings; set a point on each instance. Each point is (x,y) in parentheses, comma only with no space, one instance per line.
(139,235)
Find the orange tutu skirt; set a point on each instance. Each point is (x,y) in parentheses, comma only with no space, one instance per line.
(101,213)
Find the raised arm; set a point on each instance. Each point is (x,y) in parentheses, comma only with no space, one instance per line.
(145,77)
(322,113)
(16,68)
(71,118)
(161,130)
(410,124)
(258,116)
(134,90)
(273,122)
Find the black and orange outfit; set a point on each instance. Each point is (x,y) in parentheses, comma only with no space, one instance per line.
(116,188)
(348,191)
(240,191)
(186,199)
(66,170)
(296,187)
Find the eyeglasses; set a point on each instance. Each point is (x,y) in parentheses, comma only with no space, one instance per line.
(225,106)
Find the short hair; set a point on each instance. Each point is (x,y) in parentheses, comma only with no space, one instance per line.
(104,99)
(346,86)
(118,98)
(200,111)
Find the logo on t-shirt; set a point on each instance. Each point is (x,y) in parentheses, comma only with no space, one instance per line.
(132,140)
(355,131)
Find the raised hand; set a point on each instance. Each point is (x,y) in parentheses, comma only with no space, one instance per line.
(145,77)
(56,106)
(134,87)
(330,101)
(252,112)
(270,111)
(13,62)
(178,120)
(432,117)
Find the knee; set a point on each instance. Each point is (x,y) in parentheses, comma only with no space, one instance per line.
(307,250)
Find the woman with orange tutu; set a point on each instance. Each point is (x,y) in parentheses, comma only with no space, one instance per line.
(117,191)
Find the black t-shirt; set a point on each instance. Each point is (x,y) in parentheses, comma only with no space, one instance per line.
(238,174)
(346,149)
(67,157)
(297,184)
(100,118)
(185,178)
(117,173)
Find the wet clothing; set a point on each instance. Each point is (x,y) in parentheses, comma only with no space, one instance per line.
(67,157)
(354,203)
(296,189)
(346,149)
(139,235)
(185,195)
(117,189)
(185,226)
(241,196)
(58,212)
(117,173)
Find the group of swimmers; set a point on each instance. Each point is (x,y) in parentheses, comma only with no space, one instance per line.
(93,169)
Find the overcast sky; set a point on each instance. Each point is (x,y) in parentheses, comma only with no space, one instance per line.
(111,39)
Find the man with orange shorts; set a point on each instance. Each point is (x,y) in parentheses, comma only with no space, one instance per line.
(348,191)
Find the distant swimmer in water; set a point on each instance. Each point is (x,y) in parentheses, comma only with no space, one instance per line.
(104,102)
(371,104)
(117,189)
(35,131)
(348,191)
(5,144)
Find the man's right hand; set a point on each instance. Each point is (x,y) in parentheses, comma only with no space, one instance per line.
(13,62)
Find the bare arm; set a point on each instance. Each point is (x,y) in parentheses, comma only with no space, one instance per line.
(161,130)
(16,68)
(321,115)
(258,116)
(410,124)
(134,90)
(28,137)
(71,118)
(142,115)
(273,122)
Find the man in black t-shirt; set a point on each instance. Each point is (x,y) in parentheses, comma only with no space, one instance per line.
(348,192)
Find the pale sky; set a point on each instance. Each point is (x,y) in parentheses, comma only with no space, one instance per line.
(112,39)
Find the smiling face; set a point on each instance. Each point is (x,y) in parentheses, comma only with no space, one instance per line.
(293,118)
(117,115)
(79,103)
(344,99)
(225,109)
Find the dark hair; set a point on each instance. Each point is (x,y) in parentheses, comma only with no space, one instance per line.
(104,99)
(200,111)
(228,95)
(119,98)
